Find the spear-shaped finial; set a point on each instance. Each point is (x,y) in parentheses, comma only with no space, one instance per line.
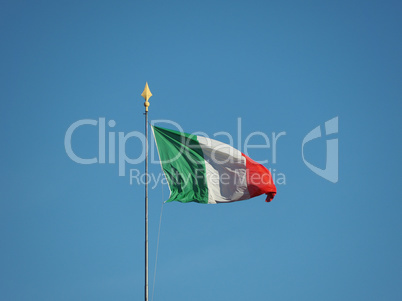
(147,95)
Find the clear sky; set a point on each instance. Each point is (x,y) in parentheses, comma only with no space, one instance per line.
(75,232)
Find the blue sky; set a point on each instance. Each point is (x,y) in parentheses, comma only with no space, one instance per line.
(75,232)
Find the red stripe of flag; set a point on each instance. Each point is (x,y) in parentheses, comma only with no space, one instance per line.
(259,180)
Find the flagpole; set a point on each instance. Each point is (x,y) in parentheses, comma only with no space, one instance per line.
(146,94)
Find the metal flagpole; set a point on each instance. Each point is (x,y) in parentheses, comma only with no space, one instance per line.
(146,94)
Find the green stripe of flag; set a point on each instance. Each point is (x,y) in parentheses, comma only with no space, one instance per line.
(183,163)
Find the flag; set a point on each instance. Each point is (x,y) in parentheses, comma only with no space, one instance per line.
(204,170)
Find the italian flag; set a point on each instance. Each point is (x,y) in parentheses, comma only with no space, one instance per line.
(204,170)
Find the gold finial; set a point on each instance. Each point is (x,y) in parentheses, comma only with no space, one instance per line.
(147,95)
